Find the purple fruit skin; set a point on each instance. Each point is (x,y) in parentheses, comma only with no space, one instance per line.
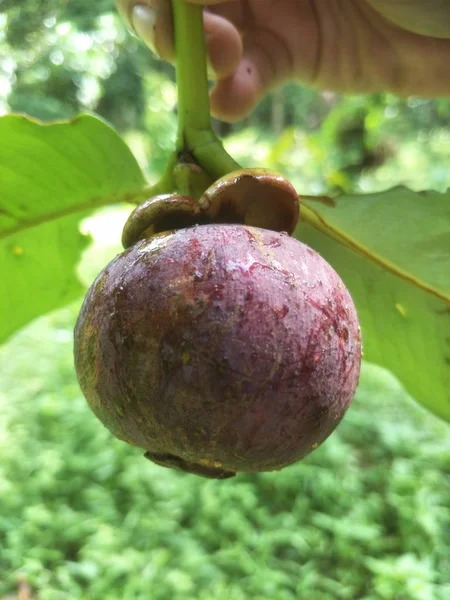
(219,348)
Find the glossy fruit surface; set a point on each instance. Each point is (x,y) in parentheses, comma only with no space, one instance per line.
(219,348)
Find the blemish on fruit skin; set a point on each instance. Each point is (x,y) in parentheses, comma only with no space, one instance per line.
(401,309)
(17,250)
(216,464)
(282,311)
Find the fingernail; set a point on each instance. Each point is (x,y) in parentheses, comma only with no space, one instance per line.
(143,19)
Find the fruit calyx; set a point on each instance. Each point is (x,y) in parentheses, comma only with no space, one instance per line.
(158,214)
(205,468)
(252,197)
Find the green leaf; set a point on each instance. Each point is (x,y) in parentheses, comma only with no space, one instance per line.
(392,250)
(51,177)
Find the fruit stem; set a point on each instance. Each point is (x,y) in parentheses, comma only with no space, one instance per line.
(195,132)
(192,81)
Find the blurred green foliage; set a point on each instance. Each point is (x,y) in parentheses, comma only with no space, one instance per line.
(83,515)
(363,144)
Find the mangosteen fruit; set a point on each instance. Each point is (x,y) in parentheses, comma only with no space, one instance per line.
(218,348)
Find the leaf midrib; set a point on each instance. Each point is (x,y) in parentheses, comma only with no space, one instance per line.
(356,246)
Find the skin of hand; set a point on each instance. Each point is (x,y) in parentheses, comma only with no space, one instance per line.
(349,46)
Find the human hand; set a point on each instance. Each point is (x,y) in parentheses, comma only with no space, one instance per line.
(350,46)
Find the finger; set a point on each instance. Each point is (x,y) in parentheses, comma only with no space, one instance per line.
(265,64)
(209,2)
(236,97)
(232,99)
(224,45)
(151,21)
